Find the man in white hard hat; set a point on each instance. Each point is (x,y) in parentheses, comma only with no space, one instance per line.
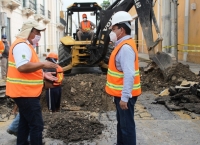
(25,82)
(123,79)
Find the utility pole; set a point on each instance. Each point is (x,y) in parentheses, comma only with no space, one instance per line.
(174,28)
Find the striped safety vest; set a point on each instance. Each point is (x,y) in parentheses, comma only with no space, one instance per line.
(23,84)
(115,78)
(86,25)
(2,47)
(59,75)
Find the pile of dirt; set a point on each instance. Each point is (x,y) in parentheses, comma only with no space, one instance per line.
(6,105)
(154,79)
(84,92)
(72,126)
(81,93)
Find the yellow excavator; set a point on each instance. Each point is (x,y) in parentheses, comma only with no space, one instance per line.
(96,52)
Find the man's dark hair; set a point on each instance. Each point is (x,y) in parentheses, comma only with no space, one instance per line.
(126,28)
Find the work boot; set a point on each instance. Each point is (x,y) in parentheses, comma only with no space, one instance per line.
(11,132)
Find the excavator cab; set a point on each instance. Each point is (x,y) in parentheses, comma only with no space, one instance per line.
(72,52)
(74,18)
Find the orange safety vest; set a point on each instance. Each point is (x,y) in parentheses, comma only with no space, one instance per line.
(2,47)
(115,78)
(86,25)
(59,75)
(20,84)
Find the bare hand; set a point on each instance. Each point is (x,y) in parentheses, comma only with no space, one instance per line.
(123,105)
(48,64)
(49,76)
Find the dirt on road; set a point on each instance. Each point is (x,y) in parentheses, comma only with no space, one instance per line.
(83,96)
(154,80)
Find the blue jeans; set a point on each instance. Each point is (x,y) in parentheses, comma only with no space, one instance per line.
(14,125)
(30,121)
(126,133)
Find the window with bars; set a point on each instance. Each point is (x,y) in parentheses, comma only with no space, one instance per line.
(49,14)
(41,10)
(32,4)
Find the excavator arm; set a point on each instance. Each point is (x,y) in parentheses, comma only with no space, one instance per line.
(144,9)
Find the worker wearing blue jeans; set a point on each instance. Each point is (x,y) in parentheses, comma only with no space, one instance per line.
(13,127)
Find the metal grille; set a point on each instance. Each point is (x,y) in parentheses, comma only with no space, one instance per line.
(49,14)
(41,10)
(32,4)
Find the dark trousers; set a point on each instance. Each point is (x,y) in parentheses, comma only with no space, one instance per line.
(126,133)
(30,121)
(53,97)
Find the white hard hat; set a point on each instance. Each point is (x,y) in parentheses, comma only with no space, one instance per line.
(121,17)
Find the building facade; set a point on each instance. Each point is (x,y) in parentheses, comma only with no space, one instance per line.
(187,46)
(46,12)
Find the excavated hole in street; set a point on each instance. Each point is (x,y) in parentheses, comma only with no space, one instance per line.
(84,98)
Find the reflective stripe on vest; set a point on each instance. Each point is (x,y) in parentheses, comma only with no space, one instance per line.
(23,84)
(86,25)
(115,78)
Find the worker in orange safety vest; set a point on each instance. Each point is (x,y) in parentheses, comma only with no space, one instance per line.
(123,79)
(85,26)
(24,81)
(54,91)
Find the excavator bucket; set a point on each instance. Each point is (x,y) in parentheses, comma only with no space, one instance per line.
(165,62)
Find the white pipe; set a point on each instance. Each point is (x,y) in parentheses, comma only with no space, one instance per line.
(186,28)
(158,13)
(174,32)
(1,10)
(166,24)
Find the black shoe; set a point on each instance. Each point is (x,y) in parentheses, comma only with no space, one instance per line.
(11,132)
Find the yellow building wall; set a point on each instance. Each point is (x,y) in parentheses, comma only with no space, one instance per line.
(194,32)
(181,18)
(194,29)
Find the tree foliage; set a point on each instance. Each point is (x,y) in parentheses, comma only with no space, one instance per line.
(105,4)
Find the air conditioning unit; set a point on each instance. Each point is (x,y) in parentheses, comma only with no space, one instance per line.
(3,19)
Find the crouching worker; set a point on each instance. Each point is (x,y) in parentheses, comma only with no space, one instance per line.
(54,90)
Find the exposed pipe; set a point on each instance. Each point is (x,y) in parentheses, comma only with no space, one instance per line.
(186,28)
(0,12)
(166,25)
(174,29)
(45,42)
